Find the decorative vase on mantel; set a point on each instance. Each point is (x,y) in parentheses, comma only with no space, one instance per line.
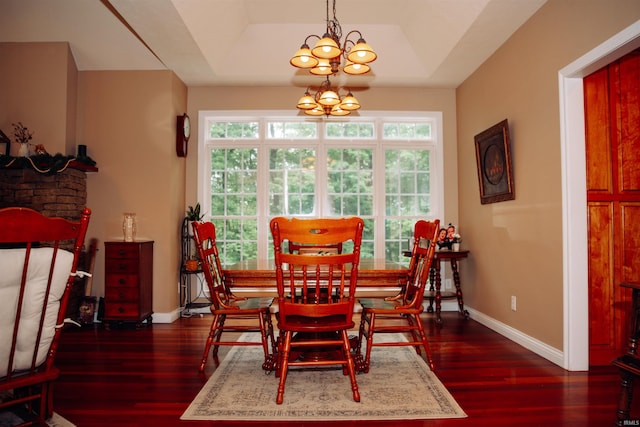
(23,151)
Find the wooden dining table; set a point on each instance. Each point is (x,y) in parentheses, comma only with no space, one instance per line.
(375,277)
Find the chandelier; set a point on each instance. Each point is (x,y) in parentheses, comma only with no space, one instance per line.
(326,59)
(327,101)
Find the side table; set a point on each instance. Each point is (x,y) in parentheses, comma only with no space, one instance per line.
(434,293)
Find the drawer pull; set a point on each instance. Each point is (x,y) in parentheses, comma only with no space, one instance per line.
(121,295)
(122,281)
(122,252)
(120,310)
(122,266)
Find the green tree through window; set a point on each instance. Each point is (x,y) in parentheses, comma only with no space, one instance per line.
(380,169)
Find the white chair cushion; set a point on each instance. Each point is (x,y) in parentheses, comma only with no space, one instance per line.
(11,265)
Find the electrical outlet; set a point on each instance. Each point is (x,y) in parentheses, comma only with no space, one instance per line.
(513,303)
(447,284)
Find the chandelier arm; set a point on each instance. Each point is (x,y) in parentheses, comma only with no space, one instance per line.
(325,85)
(346,47)
(308,37)
(348,43)
(352,32)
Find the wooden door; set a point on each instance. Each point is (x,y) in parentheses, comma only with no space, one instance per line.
(612,118)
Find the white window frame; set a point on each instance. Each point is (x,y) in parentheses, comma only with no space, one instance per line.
(437,174)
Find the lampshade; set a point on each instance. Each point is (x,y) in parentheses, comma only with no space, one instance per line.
(361,53)
(322,69)
(326,48)
(307,102)
(337,111)
(303,58)
(329,98)
(349,103)
(317,111)
(355,69)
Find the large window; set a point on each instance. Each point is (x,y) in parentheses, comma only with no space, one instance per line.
(384,168)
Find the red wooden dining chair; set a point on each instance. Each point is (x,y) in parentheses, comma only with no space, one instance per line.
(38,262)
(225,306)
(299,248)
(316,295)
(401,313)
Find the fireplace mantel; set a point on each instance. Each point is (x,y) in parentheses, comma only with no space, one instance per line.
(46,164)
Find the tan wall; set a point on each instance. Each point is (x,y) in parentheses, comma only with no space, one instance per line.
(36,82)
(127,120)
(516,245)
(72,104)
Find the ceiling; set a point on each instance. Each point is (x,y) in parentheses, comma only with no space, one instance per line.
(423,43)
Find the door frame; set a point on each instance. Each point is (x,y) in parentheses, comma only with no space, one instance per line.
(574,192)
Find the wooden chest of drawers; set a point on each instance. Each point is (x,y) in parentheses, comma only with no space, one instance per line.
(128,281)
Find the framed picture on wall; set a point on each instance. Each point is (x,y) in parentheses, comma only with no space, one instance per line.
(493,155)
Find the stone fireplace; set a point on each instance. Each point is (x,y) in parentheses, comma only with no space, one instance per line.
(61,194)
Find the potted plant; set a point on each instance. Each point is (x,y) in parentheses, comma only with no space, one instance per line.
(193,213)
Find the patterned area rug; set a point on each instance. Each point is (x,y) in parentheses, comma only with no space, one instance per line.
(399,385)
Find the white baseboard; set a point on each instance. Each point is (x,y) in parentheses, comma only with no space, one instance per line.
(170,317)
(552,354)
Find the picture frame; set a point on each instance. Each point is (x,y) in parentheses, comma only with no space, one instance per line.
(493,157)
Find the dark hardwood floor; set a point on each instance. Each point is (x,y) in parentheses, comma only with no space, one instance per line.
(148,377)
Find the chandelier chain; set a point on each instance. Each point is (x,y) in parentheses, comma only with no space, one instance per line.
(333,26)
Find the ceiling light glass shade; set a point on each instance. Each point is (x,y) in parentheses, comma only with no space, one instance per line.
(329,98)
(355,69)
(326,48)
(349,103)
(318,111)
(322,69)
(361,53)
(303,58)
(337,111)
(307,102)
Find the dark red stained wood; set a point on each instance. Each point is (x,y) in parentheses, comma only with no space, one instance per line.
(612,126)
(148,377)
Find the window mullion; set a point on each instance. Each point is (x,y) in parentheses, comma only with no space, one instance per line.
(263,199)
(322,198)
(379,202)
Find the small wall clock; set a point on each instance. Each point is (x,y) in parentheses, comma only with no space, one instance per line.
(183,132)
